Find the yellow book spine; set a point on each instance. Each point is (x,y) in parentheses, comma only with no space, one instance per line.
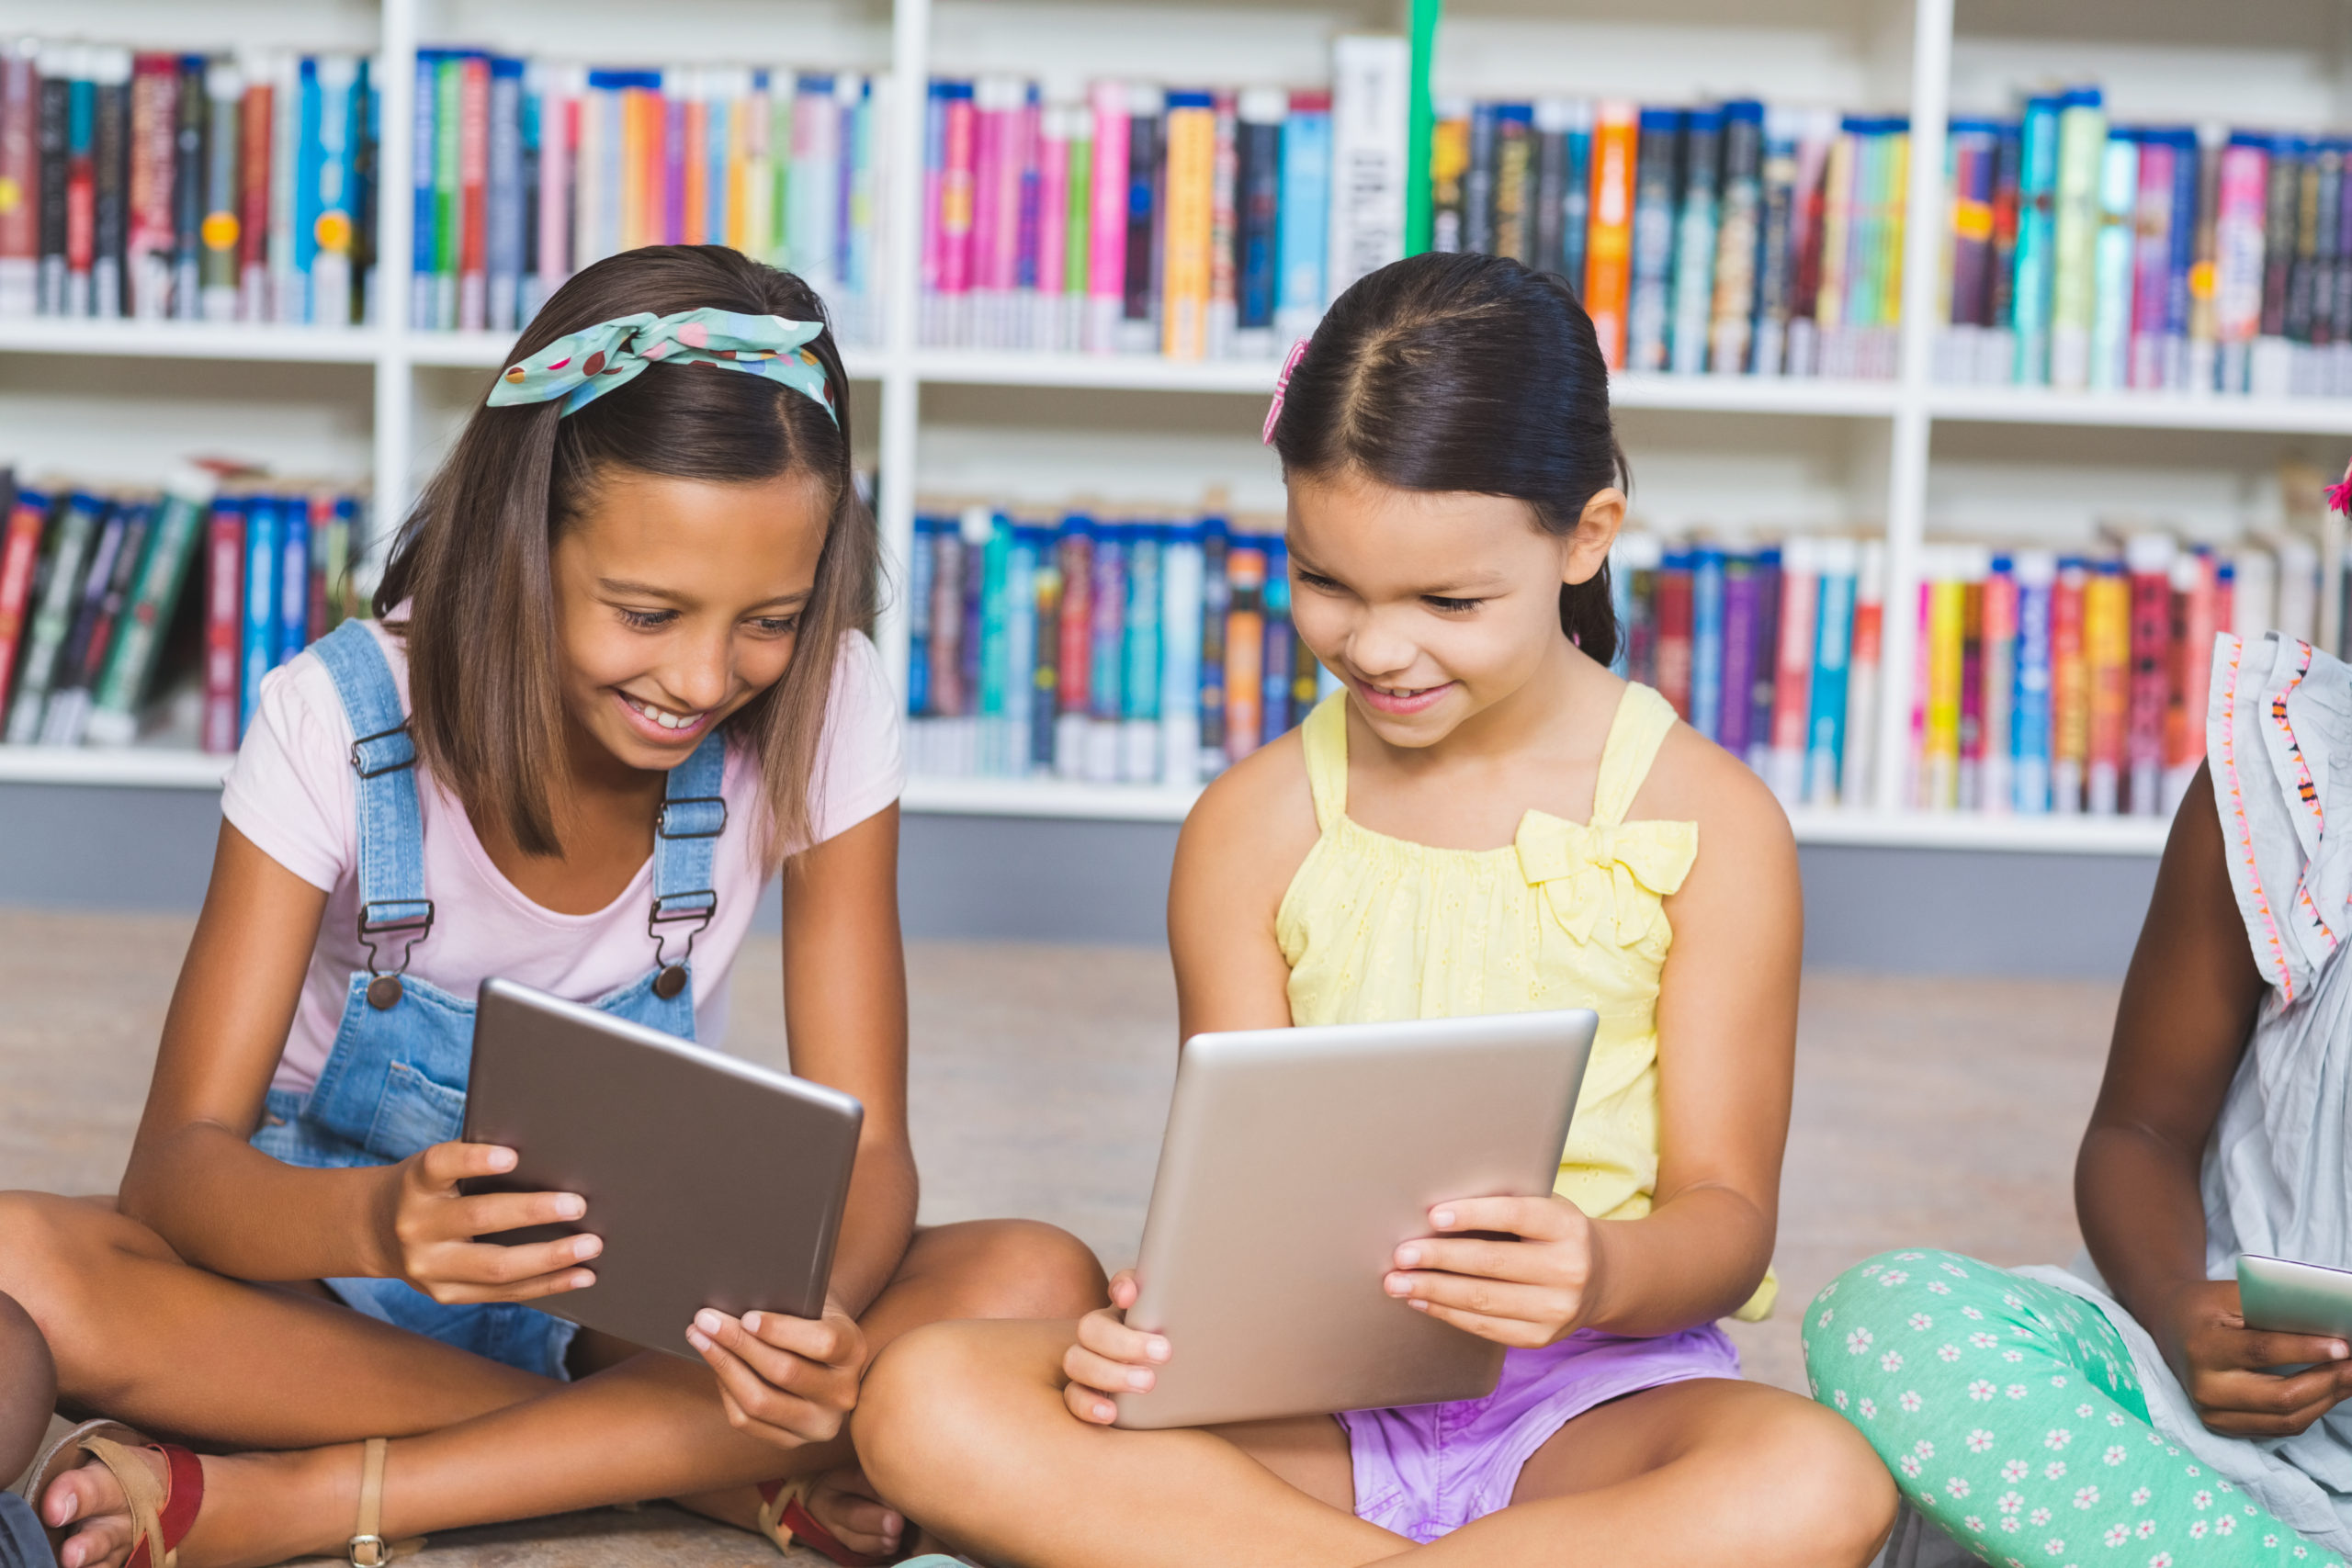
(1184,271)
(1941,778)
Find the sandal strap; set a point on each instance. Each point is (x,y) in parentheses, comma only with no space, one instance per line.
(784,1519)
(368,1547)
(153,1544)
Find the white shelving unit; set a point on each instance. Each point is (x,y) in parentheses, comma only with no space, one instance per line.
(1722,449)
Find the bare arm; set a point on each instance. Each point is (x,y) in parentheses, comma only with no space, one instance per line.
(1726,1026)
(845,1016)
(2188,1006)
(1235,858)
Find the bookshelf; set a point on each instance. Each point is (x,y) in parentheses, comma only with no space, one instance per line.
(1904,454)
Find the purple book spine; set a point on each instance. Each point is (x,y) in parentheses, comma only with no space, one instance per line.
(1740,652)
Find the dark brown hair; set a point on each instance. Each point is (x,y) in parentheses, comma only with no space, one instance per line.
(471,561)
(1464,372)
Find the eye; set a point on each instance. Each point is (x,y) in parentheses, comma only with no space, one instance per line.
(1451,607)
(776,625)
(1317,581)
(646,620)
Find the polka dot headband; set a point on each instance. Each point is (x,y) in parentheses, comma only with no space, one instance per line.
(581,367)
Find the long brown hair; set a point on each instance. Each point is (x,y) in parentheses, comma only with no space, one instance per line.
(1464,372)
(471,561)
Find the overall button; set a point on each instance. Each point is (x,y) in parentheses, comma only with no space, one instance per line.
(666,984)
(384,992)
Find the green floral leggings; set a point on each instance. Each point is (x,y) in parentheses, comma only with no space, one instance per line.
(2012,1418)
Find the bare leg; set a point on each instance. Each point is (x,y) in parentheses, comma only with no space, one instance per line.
(964,1423)
(144,1337)
(27,1389)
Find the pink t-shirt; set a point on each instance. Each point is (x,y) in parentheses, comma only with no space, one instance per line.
(290,792)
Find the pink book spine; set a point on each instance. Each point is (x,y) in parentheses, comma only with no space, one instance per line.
(558,120)
(1922,660)
(934,179)
(955,223)
(988,210)
(1106,263)
(1793,669)
(2238,243)
(1015,124)
(1053,222)
(2151,264)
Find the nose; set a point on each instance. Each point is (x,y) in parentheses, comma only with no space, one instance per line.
(702,672)
(1379,646)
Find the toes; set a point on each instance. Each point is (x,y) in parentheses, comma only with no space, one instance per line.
(104,1544)
(84,1493)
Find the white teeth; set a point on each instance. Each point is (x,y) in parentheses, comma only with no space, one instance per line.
(666,720)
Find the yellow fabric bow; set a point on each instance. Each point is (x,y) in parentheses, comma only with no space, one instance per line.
(1588,871)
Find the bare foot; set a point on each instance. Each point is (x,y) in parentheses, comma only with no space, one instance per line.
(244,1518)
(844,1502)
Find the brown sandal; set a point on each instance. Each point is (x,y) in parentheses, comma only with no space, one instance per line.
(368,1549)
(784,1522)
(162,1512)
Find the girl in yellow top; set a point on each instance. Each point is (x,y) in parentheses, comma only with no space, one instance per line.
(1486,820)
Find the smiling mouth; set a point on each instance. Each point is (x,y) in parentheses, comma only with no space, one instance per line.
(677,723)
(1402,699)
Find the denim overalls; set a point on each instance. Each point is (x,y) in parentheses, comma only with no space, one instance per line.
(395,1081)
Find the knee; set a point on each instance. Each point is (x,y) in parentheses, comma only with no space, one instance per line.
(932,1407)
(1845,1325)
(1021,1268)
(54,1254)
(28,1386)
(1832,1500)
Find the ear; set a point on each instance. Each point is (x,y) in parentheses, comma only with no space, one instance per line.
(1603,515)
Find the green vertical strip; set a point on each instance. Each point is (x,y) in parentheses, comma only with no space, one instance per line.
(1416,134)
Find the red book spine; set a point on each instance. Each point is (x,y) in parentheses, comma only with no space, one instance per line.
(154,113)
(224,622)
(1673,637)
(473,193)
(20,182)
(1077,629)
(81,213)
(1792,667)
(2150,563)
(20,553)
(254,128)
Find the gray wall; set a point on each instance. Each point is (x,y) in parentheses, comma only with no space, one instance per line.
(1902,911)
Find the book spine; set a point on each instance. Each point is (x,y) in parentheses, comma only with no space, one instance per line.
(1514,170)
(1449,174)
(1245,648)
(188,165)
(1051,225)
(1939,749)
(112,595)
(1146,213)
(1816,139)
(1142,654)
(2070,688)
(1793,671)
(1192,160)
(54,87)
(111,196)
(1973,657)
(1281,642)
(2107,656)
(62,572)
(1577,126)
(473,189)
(1547,184)
(2075,230)
(1657,191)
(994,99)
(1828,292)
(1106,260)
(1078,241)
(1216,596)
(424,205)
(1996,786)
(217,272)
(258,644)
(958,213)
(1732,325)
(1074,642)
(1825,717)
(20,559)
(1694,243)
(1675,645)
(1106,637)
(2033,720)
(502,249)
(333,206)
(1858,775)
(2149,561)
(225,617)
(2188,264)
(447,161)
(2152,233)
(20,176)
(292,623)
(1180,620)
(2188,669)
(1608,267)
(1225,228)
(67,710)
(1478,183)
(1763,672)
(1020,721)
(1259,155)
(1707,685)
(256,122)
(1371,85)
(2111,257)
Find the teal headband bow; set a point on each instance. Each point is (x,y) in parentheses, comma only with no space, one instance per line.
(581,367)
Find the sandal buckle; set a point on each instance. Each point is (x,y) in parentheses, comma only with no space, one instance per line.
(370,1552)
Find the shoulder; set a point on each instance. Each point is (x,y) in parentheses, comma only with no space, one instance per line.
(1253,825)
(1741,823)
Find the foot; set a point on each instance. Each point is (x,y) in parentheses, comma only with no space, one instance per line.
(844,1502)
(244,1520)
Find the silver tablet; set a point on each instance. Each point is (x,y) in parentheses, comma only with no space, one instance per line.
(713,1182)
(2286,1297)
(1296,1160)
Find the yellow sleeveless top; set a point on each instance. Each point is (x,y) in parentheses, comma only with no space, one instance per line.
(1569,915)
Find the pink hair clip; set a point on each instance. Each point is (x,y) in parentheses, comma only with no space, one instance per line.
(2339,495)
(1282,385)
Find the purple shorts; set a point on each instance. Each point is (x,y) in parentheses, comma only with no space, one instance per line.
(1424,1470)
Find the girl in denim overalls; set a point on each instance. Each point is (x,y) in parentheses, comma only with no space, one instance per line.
(616,680)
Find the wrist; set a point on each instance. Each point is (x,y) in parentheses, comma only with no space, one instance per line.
(377,1224)
(1603,1280)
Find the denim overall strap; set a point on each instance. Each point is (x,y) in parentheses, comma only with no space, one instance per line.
(392,904)
(685,837)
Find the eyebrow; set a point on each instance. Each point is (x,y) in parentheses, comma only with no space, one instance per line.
(649,591)
(1480,583)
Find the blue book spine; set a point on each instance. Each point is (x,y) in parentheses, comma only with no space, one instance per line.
(293,578)
(259,655)
(1216,598)
(996,617)
(1274,704)
(2037,252)
(1179,661)
(1833,644)
(2182,262)
(1302,234)
(1021,645)
(423,238)
(2119,202)
(2030,730)
(919,569)
(1694,244)
(1140,688)
(502,251)
(1706,639)
(310,157)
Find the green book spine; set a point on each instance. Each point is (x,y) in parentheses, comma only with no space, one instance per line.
(2082,147)
(1418,120)
(154,593)
(75,529)
(447,201)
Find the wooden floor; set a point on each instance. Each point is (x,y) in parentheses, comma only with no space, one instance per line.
(1928,1112)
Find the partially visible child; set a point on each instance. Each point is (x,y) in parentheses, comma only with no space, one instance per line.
(1484,820)
(2124,1410)
(27,1395)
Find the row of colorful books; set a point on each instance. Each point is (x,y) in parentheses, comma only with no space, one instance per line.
(2086,253)
(1111,649)
(99,616)
(1730,239)
(185,186)
(528,170)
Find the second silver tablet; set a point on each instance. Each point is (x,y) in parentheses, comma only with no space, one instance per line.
(1296,1161)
